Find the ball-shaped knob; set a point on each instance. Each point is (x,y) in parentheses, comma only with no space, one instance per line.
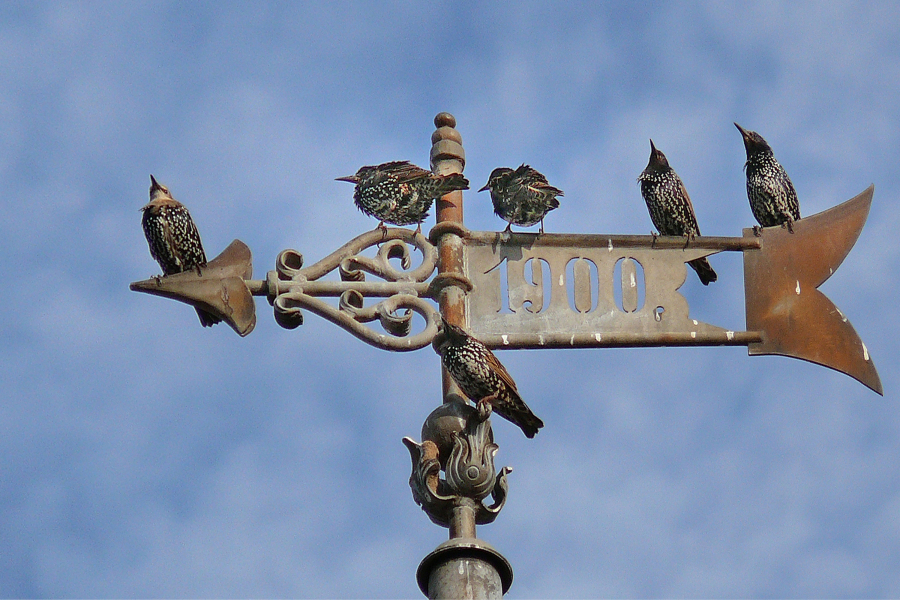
(444,119)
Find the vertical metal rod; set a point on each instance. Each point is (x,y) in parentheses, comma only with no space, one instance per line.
(462,523)
(463,566)
(448,156)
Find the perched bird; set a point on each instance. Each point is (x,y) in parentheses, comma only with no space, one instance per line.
(399,192)
(670,206)
(521,197)
(173,238)
(483,379)
(769,189)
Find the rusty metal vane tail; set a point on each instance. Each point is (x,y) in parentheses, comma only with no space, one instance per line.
(780,281)
(219,288)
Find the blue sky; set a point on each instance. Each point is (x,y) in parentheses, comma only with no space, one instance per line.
(146,457)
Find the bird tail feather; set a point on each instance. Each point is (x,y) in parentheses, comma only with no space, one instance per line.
(704,271)
(207,319)
(453,182)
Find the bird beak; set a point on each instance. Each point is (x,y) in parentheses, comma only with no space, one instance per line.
(487,186)
(742,130)
(652,147)
(350,178)
(153,182)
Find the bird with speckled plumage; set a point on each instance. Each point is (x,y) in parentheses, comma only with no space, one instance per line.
(173,238)
(670,207)
(521,196)
(399,192)
(773,199)
(483,379)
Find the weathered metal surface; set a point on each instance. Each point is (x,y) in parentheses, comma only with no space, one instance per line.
(539,341)
(782,301)
(459,441)
(456,438)
(464,568)
(514,305)
(448,156)
(292,288)
(219,288)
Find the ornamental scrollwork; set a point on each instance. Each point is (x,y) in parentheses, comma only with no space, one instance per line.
(293,288)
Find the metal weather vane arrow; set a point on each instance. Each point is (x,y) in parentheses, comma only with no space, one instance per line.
(575,307)
(220,287)
(782,299)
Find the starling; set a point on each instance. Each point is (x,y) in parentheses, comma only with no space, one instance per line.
(483,379)
(521,197)
(173,238)
(399,192)
(670,206)
(769,189)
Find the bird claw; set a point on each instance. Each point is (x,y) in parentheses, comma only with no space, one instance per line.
(757,231)
(790,225)
(654,235)
(383,229)
(484,408)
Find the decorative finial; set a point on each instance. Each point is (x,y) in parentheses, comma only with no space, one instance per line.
(444,119)
(447,145)
(457,439)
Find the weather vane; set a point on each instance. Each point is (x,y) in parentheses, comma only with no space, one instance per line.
(517,290)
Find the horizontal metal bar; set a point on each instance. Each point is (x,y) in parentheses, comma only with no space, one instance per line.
(257,287)
(581,240)
(373,289)
(536,341)
(353,320)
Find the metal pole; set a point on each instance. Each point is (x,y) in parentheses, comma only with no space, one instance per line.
(448,156)
(463,566)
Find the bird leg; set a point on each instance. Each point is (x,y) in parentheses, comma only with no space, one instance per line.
(508,228)
(484,407)
(790,225)
(383,229)
(688,238)
(757,230)
(158,279)
(654,235)
(542,226)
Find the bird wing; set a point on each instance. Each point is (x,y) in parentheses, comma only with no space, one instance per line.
(691,215)
(547,188)
(498,368)
(404,170)
(394,165)
(536,181)
(195,234)
(793,202)
(526,171)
